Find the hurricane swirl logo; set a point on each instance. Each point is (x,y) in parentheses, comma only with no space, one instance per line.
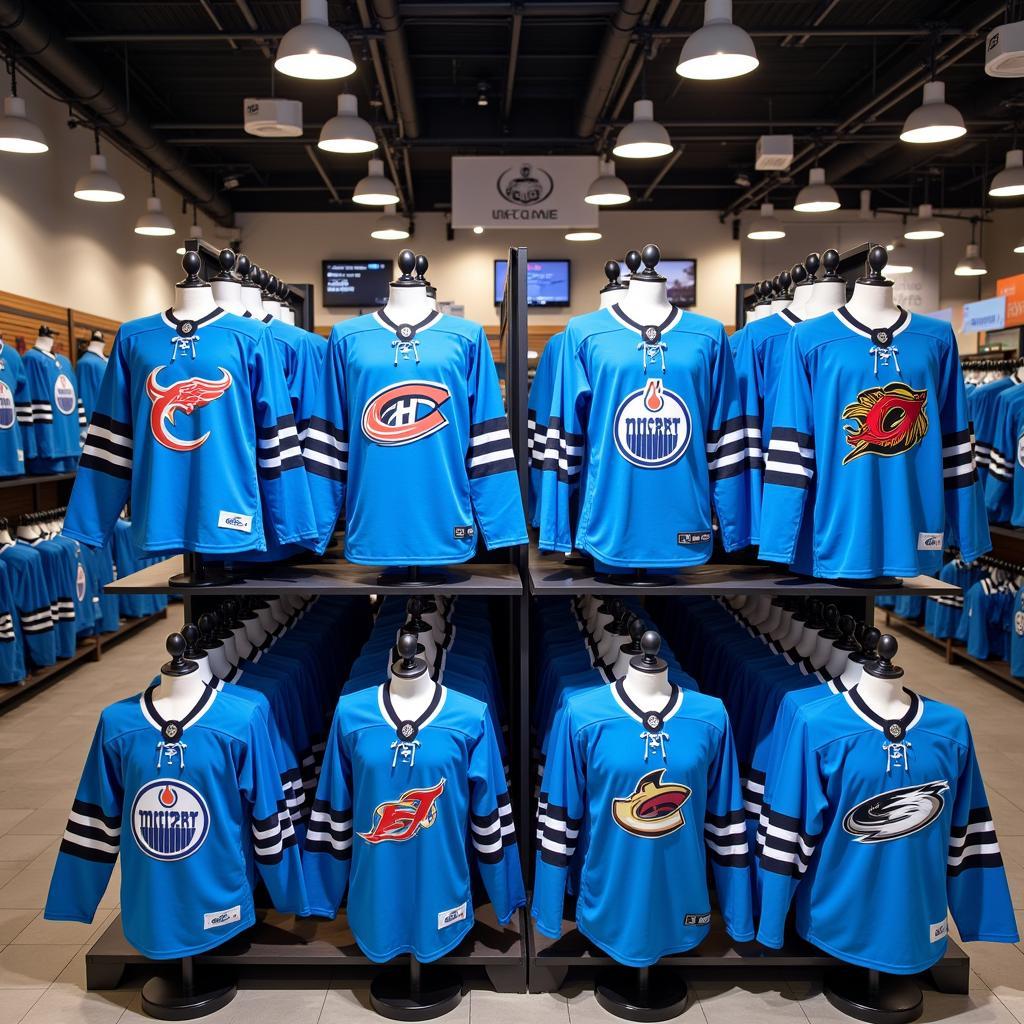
(652,427)
(396,821)
(654,808)
(64,395)
(186,396)
(8,413)
(890,420)
(170,820)
(403,413)
(896,814)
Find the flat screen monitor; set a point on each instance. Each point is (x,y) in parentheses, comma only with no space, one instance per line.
(547,282)
(356,283)
(682,280)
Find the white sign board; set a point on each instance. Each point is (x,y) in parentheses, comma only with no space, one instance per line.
(985,315)
(523,191)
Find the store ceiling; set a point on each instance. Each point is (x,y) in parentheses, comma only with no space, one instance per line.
(186,75)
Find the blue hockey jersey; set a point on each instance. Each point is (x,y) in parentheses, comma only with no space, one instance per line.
(194,808)
(89,372)
(876,423)
(12,653)
(416,404)
(54,440)
(646,429)
(15,412)
(538,413)
(860,802)
(652,796)
(399,808)
(194,422)
(31,592)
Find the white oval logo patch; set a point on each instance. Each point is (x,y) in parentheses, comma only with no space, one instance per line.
(7,410)
(64,395)
(652,427)
(170,819)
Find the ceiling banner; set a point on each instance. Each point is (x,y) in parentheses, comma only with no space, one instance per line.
(523,192)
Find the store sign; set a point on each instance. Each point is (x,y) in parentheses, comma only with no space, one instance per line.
(1012,289)
(523,191)
(986,315)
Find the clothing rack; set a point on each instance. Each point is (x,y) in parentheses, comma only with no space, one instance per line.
(973,363)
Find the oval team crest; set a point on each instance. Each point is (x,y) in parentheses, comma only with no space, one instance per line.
(7,410)
(64,395)
(406,412)
(170,819)
(654,808)
(652,427)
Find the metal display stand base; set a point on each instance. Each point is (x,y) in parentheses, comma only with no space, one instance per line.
(644,994)
(416,992)
(420,576)
(637,578)
(182,998)
(198,574)
(873,996)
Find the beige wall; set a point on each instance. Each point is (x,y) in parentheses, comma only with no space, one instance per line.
(293,245)
(58,249)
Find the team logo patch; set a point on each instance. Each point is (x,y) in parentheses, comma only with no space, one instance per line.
(654,808)
(1020,450)
(8,413)
(170,820)
(1018,622)
(406,412)
(185,395)
(890,421)
(80,583)
(897,813)
(652,427)
(64,397)
(399,820)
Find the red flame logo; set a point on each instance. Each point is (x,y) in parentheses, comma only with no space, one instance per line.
(187,395)
(398,820)
(653,400)
(168,797)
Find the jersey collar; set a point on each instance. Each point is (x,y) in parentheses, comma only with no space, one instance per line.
(155,719)
(390,715)
(847,320)
(391,327)
(171,320)
(672,705)
(666,325)
(860,708)
(788,314)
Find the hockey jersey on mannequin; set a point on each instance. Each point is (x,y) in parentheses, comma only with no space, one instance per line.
(651,796)
(399,808)
(858,803)
(89,372)
(646,429)
(194,808)
(54,441)
(194,422)
(875,424)
(412,410)
(15,412)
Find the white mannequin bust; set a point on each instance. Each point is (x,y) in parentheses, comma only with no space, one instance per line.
(885,696)
(647,687)
(802,289)
(408,304)
(228,295)
(193,652)
(646,302)
(794,634)
(873,305)
(410,694)
(784,628)
(96,347)
(44,342)
(273,307)
(780,300)
(609,298)
(838,663)
(829,292)
(254,629)
(193,303)
(243,645)
(177,694)
(5,537)
(278,612)
(756,610)
(771,622)
(217,655)
(29,532)
(252,298)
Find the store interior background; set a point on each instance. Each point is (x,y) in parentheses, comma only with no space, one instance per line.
(85,255)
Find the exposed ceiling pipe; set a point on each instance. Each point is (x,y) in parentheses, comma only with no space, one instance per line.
(398,60)
(250,20)
(378,63)
(85,86)
(663,170)
(618,38)
(513,59)
(311,153)
(205,4)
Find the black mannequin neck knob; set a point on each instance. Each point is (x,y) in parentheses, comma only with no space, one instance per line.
(869,642)
(812,263)
(798,273)
(179,665)
(883,668)
(407,264)
(786,280)
(227,260)
(766,291)
(612,271)
(272,285)
(648,660)
(282,291)
(830,261)
(651,257)
(191,633)
(264,280)
(408,665)
(422,265)
(776,286)
(243,267)
(191,264)
(877,259)
(632,261)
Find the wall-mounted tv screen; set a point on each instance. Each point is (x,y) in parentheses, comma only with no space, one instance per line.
(359,283)
(547,282)
(682,280)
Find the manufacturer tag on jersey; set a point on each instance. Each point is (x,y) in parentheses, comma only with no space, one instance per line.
(464,532)
(21,455)
(938,931)
(448,917)
(929,542)
(698,537)
(697,920)
(234,521)
(222,917)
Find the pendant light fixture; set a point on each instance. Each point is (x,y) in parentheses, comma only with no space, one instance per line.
(719,49)
(607,189)
(935,120)
(817,196)
(899,259)
(154,221)
(195,231)
(924,225)
(583,235)
(1010,180)
(347,132)
(312,49)
(97,185)
(643,138)
(17,133)
(865,212)
(1019,248)
(376,188)
(390,226)
(972,265)
(767,227)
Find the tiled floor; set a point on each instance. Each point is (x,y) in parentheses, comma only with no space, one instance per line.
(42,964)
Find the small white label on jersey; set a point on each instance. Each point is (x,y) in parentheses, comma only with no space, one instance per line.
(447,917)
(21,455)
(938,931)
(234,521)
(222,917)
(929,542)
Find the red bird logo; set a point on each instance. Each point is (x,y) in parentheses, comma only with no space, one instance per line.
(187,395)
(399,820)
(890,421)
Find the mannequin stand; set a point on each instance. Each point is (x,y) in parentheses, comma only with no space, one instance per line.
(417,576)
(873,996)
(198,574)
(415,993)
(642,993)
(636,578)
(178,999)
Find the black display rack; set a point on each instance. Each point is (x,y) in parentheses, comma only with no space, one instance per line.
(515,958)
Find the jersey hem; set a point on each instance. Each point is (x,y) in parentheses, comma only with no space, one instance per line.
(643,961)
(645,564)
(426,958)
(455,559)
(248,920)
(875,965)
(511,542)
(990,937)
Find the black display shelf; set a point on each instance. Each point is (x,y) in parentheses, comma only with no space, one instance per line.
(282,941)
(550,575)
(485,580)
(31,481)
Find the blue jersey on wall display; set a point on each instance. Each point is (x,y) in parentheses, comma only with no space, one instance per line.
(15,412)
(89,372)
(54,441)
